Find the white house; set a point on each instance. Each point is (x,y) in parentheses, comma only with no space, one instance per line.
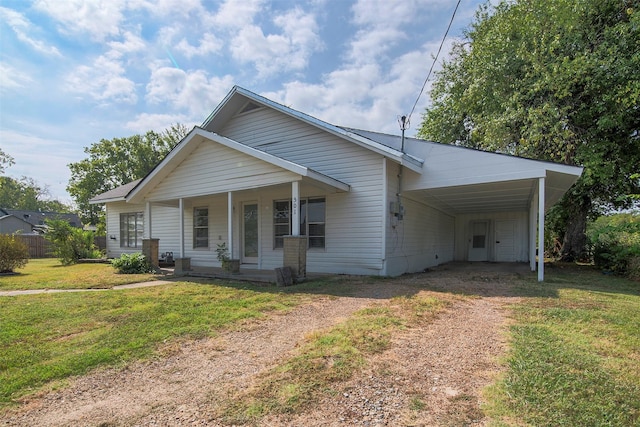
(362,202)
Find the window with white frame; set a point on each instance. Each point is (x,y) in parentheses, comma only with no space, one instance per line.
(201,227)
(131,229)
(312,221)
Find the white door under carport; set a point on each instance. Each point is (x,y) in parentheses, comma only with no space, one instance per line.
(505,240)
(478,241)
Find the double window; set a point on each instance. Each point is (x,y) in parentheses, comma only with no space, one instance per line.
(131,229)
(201,227)
(312,221)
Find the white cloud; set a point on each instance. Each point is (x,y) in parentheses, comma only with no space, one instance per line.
(12,78)
(132,43)
(191,91)
(369,45)
(24,31)
(209,44)
(272,53)
(158,122)
(103,81)
(235,13)
(383,13)
(98,19)
(173,8)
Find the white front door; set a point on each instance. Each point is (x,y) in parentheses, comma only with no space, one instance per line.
(250,233)
(505,241)
(479,231)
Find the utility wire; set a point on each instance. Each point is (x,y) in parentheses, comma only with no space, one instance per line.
(434,62)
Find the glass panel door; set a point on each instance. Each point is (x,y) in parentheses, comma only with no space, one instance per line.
(250,236)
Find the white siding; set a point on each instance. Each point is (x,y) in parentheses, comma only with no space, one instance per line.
(113,227)
(353,220)
(521,238)
(213,168)
(165,221)
(423,238)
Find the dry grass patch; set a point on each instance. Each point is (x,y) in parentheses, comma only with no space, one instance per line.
(328,358)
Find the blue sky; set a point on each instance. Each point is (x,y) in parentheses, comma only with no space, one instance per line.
(73,72)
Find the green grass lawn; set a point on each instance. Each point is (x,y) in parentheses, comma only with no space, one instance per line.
(575,353)
(574,356)
(50,337)
(48,273)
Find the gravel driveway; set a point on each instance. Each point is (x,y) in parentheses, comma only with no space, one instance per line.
(432,375)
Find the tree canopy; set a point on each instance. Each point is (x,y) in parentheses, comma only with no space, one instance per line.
(553,80)
(115,162)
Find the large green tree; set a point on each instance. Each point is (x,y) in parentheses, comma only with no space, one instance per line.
(26,194)
(553,80)
(115,162)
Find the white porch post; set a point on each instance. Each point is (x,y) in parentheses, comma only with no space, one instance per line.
(230,222)
(181,207)
(533,222)
(541,197)
(147,221)
(295,208)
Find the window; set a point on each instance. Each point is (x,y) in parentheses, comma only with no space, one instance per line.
(312,221)
(131,230)
(201,227)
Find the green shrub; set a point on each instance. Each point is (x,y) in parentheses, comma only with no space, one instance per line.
(70,244)
(615,240)
(13,253)
(132,264)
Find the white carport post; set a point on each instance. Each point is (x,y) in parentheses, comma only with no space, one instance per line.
(541,229)
(295,208)
(230,222)
(533,222)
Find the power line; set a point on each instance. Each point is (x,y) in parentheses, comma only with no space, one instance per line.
(434,62)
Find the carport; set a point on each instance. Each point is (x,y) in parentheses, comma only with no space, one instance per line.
(516,188)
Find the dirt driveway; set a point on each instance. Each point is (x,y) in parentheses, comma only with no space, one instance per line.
(430,376)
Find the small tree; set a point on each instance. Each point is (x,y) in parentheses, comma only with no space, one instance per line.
(13,253)
(70,244)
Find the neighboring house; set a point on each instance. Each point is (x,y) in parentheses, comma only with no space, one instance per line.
(11,224)
(37,218)
(366,203)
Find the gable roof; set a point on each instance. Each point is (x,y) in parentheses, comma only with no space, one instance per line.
(238,97)
(198,136)
(118,194)
(37,218)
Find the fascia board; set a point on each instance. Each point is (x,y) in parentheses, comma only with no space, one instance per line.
(110,200)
